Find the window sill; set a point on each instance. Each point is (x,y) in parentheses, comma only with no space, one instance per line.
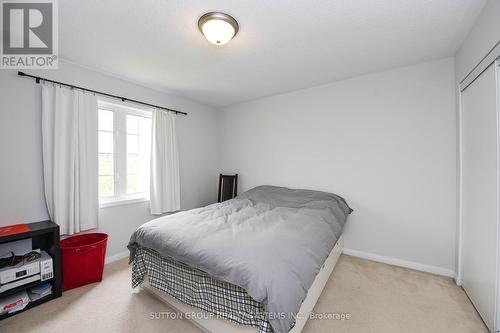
(121,202)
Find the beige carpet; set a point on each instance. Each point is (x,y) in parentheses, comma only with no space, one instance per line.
(378,297)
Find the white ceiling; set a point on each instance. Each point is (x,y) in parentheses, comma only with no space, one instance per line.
(282,45)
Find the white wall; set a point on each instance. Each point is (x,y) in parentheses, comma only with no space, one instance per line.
(480,40)
(21,187)
(386,142)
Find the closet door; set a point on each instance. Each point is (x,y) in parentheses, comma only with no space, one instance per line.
(479,193)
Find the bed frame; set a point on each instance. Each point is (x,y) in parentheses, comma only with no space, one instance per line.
(217,325)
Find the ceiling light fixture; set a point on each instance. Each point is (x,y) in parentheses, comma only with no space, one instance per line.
(218,28)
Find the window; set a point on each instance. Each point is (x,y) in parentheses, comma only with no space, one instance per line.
(124,153)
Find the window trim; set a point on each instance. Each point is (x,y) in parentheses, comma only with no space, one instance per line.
(120,112)
(107,202)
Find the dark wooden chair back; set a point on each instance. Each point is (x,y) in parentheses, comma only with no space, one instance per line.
(228,187)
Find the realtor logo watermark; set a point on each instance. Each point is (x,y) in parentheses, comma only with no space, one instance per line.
(29,34)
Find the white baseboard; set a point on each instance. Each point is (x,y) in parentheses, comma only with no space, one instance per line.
(402,263)
(355,253)
(115,257)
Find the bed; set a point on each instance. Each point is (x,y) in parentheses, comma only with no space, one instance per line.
(256,263)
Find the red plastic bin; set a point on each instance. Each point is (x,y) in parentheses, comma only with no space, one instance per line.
(83,259)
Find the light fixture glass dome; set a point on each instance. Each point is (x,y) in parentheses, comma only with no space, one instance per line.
(218,28)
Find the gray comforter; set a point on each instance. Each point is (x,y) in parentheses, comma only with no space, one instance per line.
(271,241)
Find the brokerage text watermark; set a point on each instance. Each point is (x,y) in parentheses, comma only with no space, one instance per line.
(265,316)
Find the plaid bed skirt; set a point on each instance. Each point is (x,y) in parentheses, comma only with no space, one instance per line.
(198,289)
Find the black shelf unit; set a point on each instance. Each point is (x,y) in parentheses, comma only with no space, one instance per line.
(45,236)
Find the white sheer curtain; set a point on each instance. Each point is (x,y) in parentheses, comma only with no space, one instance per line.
(165,188)
(70,165)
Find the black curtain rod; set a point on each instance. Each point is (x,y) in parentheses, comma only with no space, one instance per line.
(123,99)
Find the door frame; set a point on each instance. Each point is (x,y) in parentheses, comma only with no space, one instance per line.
(459,276)
(497,285)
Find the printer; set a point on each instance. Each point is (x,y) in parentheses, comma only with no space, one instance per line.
(40,269)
